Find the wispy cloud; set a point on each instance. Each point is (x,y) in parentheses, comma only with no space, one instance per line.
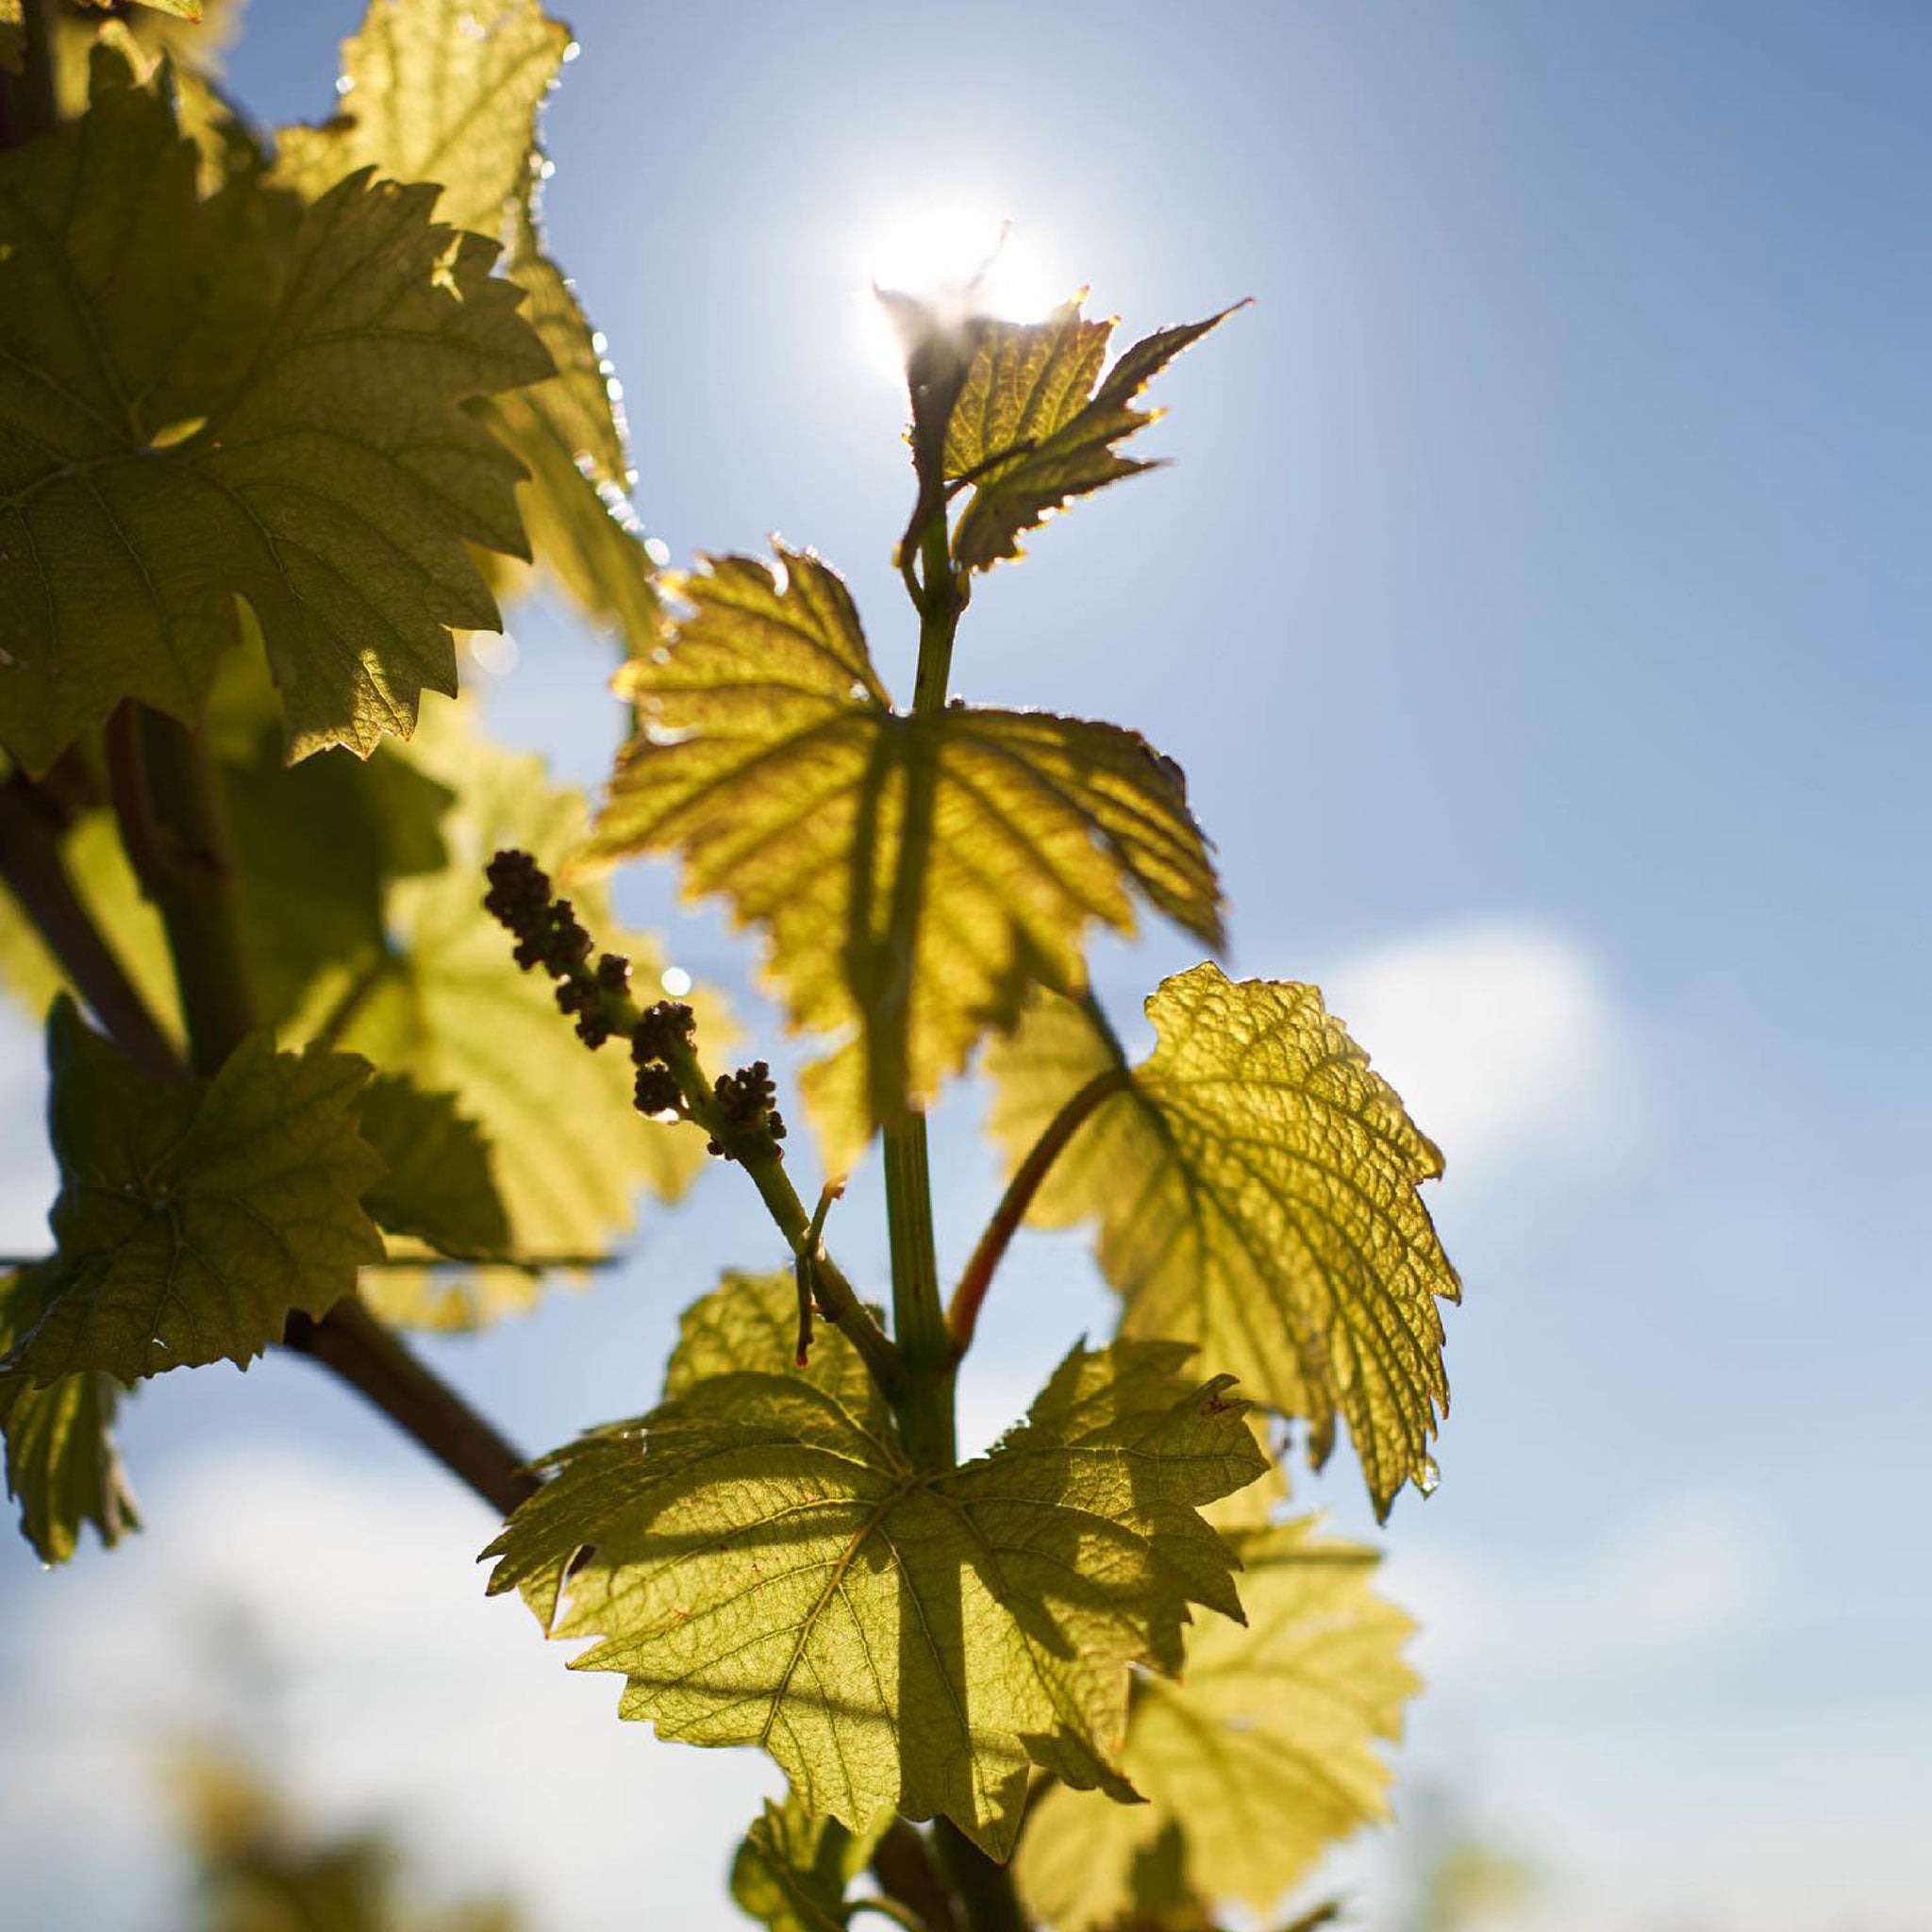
(1505,1041)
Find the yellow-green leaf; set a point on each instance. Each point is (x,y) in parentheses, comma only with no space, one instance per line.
(435,90)
(1255,1186)
(193,1218)
(442,1003)
(1032,430)
(763,1564)
(446,92)
(12,36)
(792,1869)
(771,761)
(201,401)
(62,1464)
(1262,1755)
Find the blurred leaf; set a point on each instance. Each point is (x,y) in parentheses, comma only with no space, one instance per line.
(442,1003)
(792,1869)
(62,1465)
(764,1565)
(236,398)
(1257,1761)
(915,874)
(440,1186)
(259,1871)
(1032,430)
(193,1218)
(1256,1192)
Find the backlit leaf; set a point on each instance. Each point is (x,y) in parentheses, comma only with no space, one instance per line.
(193,1218)
(439,1186)
(1256,1192)
(62,1465)
(448,91)
(792,1869)
(1258,1760)
(1033,430)
(772,762)
(435,90)
(441,1001)
(200,401)
(764,1566)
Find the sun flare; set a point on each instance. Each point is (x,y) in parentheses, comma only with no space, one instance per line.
(961,258)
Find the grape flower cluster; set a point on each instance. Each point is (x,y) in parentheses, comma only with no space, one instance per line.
(549,934)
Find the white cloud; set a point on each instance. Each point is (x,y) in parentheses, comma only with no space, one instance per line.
(401,1694)
(1505,1040)
(1680,1572)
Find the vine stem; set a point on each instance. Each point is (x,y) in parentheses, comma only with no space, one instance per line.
(375,1361)
(963,1313)
(36,873)
(983,1889)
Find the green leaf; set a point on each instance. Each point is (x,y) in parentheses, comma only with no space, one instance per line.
(1032,429)
(1256,1761)
(441,1185)
(764,1566)
(62,1464)
(441,1003)
(440,90)
(191,1218)
(1256,1192)
(770,760)
(12,36)
(792,1869)
(201,401)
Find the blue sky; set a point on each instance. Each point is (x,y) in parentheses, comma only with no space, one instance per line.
(1538,606)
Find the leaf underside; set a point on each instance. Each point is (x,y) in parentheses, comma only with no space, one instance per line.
(763,1566)
(1258,1759)
(792,1869)
(1035,424)
(1256,1190)
(201,401)
(914,875)
(448,91)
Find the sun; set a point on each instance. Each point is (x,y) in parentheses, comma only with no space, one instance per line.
(961,257)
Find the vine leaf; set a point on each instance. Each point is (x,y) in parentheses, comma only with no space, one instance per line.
(792,1869)
(193,1218)
(1255,1186)
(62,1464)
(446,92)
(1259,1760)
(441,1187)
(206,400)
(764,1566)
(770,759)
(438,1001)
(435,90)
(1032,430)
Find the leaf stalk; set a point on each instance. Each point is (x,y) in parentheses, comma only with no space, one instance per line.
(963,1313)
